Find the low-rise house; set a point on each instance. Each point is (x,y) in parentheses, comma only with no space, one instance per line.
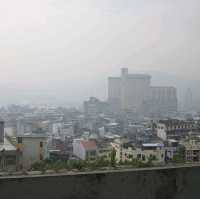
(154,152)
(9,155)
(127,151)
(85,149)
(171,147)
(192,150)
(33,149)
(104,149)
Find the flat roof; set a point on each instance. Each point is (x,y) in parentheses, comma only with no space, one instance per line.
(143,76)
(153,145)
(32,136)
(6,145)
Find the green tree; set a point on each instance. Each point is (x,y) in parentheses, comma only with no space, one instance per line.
(113,158)
(101,162)
(179,157)
(137,163)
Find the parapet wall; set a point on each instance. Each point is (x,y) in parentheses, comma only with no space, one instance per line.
(168,183)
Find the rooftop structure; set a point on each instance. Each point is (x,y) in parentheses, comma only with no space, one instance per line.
(89,144)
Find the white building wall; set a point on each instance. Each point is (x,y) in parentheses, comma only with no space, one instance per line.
(56,128)
(79,150)
(114,88)
(161,131)
(134,91)
(31,150)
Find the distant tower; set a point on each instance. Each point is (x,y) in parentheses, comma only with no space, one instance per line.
(134,90)
(1,131)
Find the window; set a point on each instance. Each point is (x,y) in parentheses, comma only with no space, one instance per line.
(92,153)
(130,156)
(41,157)
(41,144)
(87,154)
(19,140)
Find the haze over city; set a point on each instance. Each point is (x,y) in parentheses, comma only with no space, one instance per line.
(56,51)
(99,99)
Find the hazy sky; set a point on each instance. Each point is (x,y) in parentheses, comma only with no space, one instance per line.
(69,47)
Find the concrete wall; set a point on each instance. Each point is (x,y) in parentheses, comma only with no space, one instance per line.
(171,183)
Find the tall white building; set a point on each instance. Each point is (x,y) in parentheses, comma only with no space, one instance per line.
(188,103)
(162,100)
(130,91)
(133,92)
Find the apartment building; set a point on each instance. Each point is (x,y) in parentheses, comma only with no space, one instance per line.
(127,151)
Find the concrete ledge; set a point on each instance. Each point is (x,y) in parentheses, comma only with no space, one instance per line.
(172,182)
(51,173)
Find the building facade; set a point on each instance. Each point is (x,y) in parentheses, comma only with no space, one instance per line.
(129,91)
(93,107)
(33,149)
(85,149)
(173,128)
(162,100)
(133,92)
(192,150)
(126,151)
(9,155)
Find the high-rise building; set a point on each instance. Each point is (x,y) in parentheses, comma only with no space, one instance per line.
(129,91)
(188,103)
(162,100)
(114,93)
(133,92)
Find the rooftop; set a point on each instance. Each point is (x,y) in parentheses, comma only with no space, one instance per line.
(89,144)
(33,136)
(139,76)
(175,122)
(7,145)
(153,145)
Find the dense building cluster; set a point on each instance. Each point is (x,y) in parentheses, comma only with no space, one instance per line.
(139,123)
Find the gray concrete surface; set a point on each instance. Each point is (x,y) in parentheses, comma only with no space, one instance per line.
(157,183)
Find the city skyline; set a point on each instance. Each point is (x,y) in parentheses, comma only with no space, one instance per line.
(72,43)
(99,99)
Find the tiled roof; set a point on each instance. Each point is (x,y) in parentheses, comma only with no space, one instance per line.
(89,145)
